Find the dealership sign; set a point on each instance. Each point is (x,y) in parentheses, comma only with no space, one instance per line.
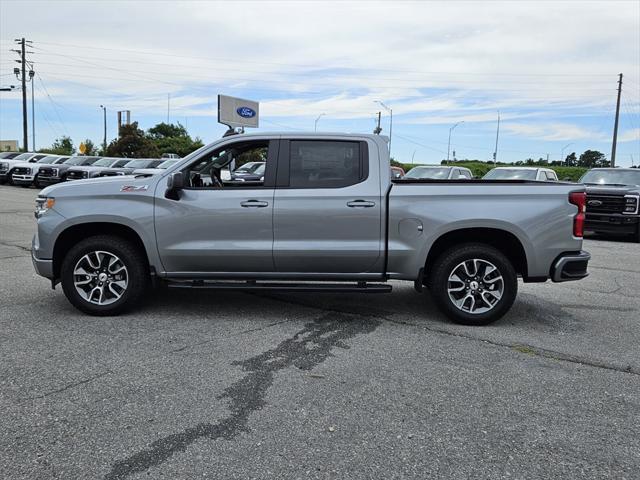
(237,112)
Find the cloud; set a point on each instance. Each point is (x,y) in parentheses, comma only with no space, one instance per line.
(554,131)
(632,135)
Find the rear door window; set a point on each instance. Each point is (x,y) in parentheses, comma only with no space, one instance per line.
(326,163)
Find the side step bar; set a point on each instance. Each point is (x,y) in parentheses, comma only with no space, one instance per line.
(360,287)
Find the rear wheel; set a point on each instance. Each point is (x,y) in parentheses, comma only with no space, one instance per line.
(473,284)
(104,275)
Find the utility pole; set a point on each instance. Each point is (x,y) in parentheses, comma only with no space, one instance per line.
(315,124)
(449,142)
(23,79)
(104,138)
(168,106)
(562,159)
(33,109)
(495,150)
(378,129)
(615,124)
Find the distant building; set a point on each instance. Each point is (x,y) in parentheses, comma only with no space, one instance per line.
(8,145)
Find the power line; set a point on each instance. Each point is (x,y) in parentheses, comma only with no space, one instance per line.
(254,62)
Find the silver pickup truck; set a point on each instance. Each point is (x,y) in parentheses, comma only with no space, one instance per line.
(325,217)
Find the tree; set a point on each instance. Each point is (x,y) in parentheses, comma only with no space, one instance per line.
(132,144)
(593,159)
(89,148)
(571,160)
(173,138)
(61,146)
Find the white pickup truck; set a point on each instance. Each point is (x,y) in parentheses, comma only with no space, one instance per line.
(326,216)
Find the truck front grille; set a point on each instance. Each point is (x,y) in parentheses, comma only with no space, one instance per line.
(21,171)
(75,175)
(605,203)
(46,172)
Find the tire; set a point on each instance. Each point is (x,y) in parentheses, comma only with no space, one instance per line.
(10,178)
(636,236)
(102,285)
(487,294)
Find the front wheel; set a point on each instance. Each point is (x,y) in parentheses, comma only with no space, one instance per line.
(104,275)
(473,284)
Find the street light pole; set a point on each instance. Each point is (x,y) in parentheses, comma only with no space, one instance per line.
(104,138)
(390,110)
(562,159)
(315,125)
(449,142)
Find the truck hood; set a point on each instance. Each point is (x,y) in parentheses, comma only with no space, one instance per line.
(114,183)
(611,189)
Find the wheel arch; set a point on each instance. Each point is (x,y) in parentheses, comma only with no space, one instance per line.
(78,232)
(506,242)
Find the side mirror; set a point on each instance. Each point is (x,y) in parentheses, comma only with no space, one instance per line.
(175,183)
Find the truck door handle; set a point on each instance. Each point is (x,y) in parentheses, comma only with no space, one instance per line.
(360,204)
(254,204)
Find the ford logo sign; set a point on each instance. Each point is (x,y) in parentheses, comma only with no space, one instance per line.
(594,203)
(246,112)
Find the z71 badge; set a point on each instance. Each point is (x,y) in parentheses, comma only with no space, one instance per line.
(134,188)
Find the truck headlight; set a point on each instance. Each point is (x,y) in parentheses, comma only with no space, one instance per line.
(4,166)
(43,204)
(54,172)
(85,174)
(631,204)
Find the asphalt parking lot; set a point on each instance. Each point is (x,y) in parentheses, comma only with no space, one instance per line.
(235,385)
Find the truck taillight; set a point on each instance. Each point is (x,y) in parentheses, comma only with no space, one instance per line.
(579,199)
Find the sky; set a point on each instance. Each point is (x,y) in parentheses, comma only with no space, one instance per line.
(550,68)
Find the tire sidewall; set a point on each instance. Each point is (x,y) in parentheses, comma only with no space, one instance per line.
(135,269)
(456,255)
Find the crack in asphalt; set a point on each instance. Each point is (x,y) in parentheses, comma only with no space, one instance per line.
(519,347)
(26,249)
(529,349)
(308,348)
(72,385)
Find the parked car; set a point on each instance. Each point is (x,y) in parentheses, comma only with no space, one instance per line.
(58,173)
(8,155)
(257,175)
(521,173)
(131,165)
(326,218)
(397,172)
(96,169)
(613,198)
(6,165)
(247,171)
(439,172)
(152,171)
(25,173)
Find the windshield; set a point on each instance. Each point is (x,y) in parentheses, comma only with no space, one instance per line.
(611,177)
(511,174)
(104,162)
(250,167)
(260,170)
(23,156)
(48,159)
(428,172)
(139,163)
(75,161)
(166,164)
